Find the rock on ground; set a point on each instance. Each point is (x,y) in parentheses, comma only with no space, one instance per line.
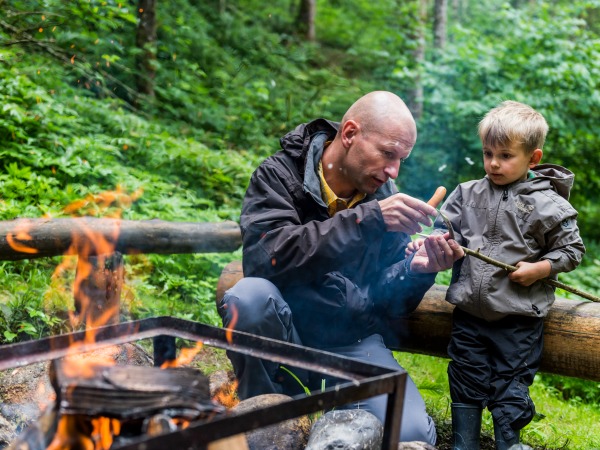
(351,429)
(289,435)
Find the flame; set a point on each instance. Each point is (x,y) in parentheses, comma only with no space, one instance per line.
(99,204)
(69,434)
(104,428)
(227,394)
(186,355)
(232,324)
(72,433)
(21,233)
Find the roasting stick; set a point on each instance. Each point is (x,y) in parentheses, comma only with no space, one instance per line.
(440,192)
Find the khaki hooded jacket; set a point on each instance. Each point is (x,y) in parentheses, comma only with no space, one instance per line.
(526,221)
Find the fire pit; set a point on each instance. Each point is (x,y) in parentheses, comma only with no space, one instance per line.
(364,380)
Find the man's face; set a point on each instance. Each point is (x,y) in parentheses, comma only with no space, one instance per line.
(506,165)
(373,158)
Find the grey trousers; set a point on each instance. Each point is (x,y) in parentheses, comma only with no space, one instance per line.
(260,309)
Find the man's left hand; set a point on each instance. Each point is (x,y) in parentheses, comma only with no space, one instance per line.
(437,253)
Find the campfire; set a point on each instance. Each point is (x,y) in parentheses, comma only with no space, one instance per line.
(116,403)
(132,407)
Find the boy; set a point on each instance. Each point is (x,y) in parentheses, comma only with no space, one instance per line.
(518,214)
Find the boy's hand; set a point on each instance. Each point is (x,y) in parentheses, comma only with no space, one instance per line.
(413,246)
(528,273)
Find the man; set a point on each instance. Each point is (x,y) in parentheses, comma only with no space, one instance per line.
(324,230)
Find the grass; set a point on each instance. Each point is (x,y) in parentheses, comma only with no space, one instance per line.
(561,424)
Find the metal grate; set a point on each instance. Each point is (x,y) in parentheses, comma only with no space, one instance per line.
(364,380)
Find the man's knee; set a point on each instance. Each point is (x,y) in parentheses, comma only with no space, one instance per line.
(255,305)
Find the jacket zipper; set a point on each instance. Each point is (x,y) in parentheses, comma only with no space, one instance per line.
(504,198)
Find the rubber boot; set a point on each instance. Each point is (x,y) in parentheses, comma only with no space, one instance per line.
(466,426)
(501,442)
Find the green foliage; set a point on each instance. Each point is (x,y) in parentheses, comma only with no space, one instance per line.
(545,56)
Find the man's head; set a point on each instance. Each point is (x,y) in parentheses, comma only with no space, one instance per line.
(376,134)
(512,135)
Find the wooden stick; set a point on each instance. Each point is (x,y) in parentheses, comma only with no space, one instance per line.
(510,268)
(549,281)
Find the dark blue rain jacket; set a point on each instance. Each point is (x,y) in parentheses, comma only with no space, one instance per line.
(344,277)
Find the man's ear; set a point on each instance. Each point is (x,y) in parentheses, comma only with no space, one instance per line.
(349,130)
(536,157)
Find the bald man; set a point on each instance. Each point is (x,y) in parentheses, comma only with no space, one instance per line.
(324,231)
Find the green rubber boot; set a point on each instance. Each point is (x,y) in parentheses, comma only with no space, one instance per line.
(466,426)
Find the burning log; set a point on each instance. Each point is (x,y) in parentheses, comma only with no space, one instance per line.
(571,345)
(112,405)
(35,238)
(132,392)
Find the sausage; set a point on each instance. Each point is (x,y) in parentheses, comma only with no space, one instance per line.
(439,195)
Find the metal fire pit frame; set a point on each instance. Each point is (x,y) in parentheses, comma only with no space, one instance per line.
(365,380)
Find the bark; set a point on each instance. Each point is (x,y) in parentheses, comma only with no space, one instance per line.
(415,97)
(145,41)
(571,344)
(36,238)
(440,20)
(306,19)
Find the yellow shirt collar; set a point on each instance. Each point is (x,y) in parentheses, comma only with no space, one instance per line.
(334,203)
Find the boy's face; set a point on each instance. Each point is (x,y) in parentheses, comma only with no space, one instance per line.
(507,165)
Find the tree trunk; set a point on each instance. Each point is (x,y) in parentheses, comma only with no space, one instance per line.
(306,19)
(145,41)
(440,23)
(415,100)
(457,9)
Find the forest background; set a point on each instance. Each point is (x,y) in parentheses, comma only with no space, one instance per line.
(169,106)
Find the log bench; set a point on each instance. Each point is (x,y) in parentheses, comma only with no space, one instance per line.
(571,329)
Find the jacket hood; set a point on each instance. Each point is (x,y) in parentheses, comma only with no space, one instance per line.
(295,143)
(553,176)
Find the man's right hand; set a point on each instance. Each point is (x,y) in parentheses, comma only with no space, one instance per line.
(405,214)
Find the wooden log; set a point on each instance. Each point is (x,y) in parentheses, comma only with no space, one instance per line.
(571,329)
(36,238)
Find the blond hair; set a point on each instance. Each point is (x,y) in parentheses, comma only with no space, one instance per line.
(513,123)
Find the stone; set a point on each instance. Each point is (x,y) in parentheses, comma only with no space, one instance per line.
(415,445)
(8,432)
(289,435)
(346,429)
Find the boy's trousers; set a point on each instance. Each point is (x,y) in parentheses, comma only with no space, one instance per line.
(261,310)
(493,364)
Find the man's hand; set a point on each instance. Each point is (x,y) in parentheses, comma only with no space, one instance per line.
(403,213)
(528,273)
(437,253)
